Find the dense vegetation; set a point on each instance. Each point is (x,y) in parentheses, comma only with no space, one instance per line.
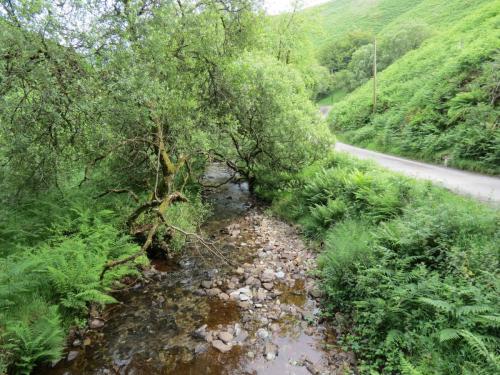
(438,102)
(109,113)
(409,270)
(437,90)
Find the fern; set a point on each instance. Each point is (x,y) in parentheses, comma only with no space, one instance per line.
(480,348)
(35,335)
(407,368)
(449,334)
(438,304)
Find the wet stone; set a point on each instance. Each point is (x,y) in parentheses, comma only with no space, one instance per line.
(270,351)
(72,355)
(220,346)
(226,337)
(96,324)
(207,284)
(268,286)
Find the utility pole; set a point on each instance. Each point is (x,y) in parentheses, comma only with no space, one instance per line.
(374,74)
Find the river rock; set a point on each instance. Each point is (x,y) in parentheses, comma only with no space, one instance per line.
(267,276)
(245,305)
(262,333)
(280,274)
(268,286)
(270,351)
(261,294)
(200,348)
(72,355)
(220,346)
(224,296)
(207,284)
(315,292)
(240,271)
(241,337)
(213,292)
(226,337)
(96,324)
(201,333)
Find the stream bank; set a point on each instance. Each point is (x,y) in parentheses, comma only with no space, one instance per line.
(199,315)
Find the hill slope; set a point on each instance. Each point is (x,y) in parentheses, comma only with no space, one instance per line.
(339,17)
(439,102)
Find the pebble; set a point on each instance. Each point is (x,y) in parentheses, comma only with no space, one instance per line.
(226,337)
(207,284)
(267,276)
(72,355)
(213,292)
(280,274)
(96,324)
(220,346)
(262,333)
(271,351)
(268,286)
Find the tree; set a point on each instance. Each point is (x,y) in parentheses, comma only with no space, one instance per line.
(265,119)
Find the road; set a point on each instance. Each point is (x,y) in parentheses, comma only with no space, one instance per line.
(481,187)
(484,188)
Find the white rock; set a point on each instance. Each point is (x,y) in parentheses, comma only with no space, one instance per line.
(207,284)
(271,351)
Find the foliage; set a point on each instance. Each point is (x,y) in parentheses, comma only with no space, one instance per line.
(414,267)
(265,111)
(109,113)
(439,102)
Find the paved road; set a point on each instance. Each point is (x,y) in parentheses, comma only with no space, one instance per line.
(484,188)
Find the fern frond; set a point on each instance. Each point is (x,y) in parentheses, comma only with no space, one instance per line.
(407,368)
(438,304)
(449,334)
(473,309)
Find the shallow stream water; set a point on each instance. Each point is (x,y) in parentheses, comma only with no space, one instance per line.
(150,330)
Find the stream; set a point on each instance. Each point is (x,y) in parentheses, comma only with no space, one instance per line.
(198,315)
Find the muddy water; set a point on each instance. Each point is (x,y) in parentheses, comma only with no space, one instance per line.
(150,330)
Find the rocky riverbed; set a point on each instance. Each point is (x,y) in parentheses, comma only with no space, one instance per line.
(278,331)
(255,313)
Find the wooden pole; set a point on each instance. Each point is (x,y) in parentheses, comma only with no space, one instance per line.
(374,74)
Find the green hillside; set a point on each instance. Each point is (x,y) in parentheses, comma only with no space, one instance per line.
(440,101)
(338,17)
